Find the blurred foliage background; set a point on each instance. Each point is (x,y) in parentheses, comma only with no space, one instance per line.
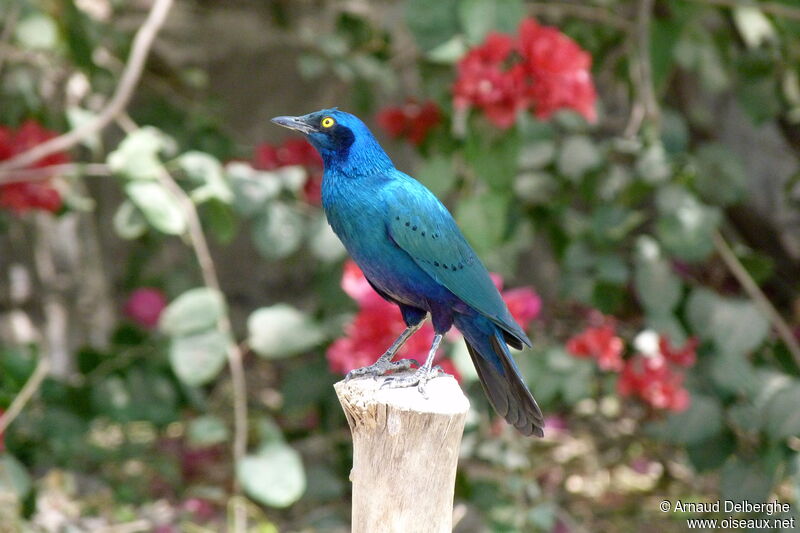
(174,308)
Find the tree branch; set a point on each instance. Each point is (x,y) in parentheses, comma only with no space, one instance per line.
(209,273)
(586,12)
(8,29)
(751,288)
(773,8)
(142,42)
(28,390)
(644,106)
(45,173)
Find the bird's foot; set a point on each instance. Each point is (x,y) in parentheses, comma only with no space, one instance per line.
(379,368)
(419,378)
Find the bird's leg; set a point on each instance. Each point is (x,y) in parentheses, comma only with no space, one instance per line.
(384,363)
(423,373)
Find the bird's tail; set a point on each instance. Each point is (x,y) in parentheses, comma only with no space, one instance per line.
(499,374)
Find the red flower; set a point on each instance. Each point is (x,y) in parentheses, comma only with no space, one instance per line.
(560,71)
(144,306)
(485,82)
(600,342)
(378,323)
(651,379)
(29,135)
(544,69)
(523,302)
(412,120)
(375,327)
(26,195)
(293,151)
(685,356)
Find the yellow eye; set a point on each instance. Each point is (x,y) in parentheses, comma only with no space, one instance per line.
(327,122)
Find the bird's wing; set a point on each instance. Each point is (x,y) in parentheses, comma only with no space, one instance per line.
(424,228)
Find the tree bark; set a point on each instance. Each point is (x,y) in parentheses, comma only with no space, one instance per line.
(405,453)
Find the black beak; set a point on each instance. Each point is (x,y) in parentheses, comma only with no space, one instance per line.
(295,123)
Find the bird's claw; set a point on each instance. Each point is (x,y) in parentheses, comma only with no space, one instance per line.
(419,378)
(380,368)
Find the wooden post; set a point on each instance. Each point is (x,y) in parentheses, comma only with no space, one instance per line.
(405,453)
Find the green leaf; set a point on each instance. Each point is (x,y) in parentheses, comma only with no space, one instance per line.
(782,413)
(712,453)
(13,477)
(754,27)
(700,309)
(281,331)
(657,287)
(197,359)
(735,325)
(721,178)
(207,430)
(742,480)
(483,219)
(37,31)
(665,33)
(578,155)
(432,23)
(738,326)
(449,52)
(193,311)
(612,223)
(129,222)
(206,170)
(674,132)
(278,231)
(537,154)
(252,189)
(536,187)
(437,174)
(136,157)
(273,476)
(77,117)
(494,160)
(701,421)
(733,373)
(220,219)
(479,17)
(159,206)
(653,165)
(324,243)
(686,226)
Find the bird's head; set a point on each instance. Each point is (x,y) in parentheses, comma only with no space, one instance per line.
(343,141)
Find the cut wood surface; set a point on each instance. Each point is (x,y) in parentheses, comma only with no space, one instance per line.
(405,454)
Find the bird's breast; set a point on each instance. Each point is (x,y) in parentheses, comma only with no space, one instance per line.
(359,219)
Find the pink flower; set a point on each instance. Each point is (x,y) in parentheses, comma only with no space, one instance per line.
(202,509)
(524,304)
(412,120)
(144,306)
